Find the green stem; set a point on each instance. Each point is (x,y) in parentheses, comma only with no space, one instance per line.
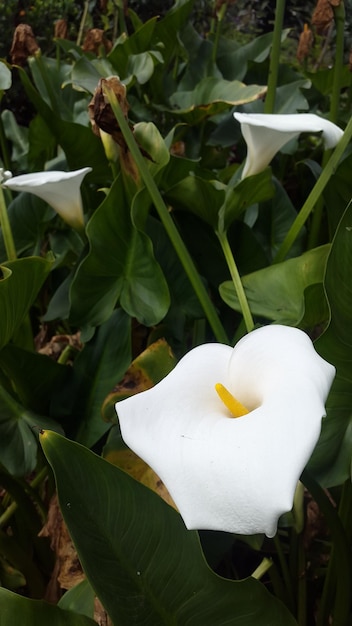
(83,23)
(339,575)
(262,568)
(6,229)
(339,13)
(315,194)
(269,104)
(231,263)
(285,573)
(166,219)
(12,508)
(317,214)
(220,17)
(302,585)
(313,239)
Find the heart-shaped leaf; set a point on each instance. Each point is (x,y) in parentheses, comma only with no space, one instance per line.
(277,292)
(144,565)
(119,267)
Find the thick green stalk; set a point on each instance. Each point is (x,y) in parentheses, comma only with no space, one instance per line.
(269,104)
(167,221)
(83,23)
(339,572)
(6,229)
(339,12)
(220,16)
(236,279)
(289,600)
(315,194)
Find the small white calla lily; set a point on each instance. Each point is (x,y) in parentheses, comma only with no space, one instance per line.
(61,190)
(236,475)
(266,134)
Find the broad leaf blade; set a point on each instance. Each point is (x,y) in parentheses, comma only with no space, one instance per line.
(331,461)
(18,610)
(19,286)
(146,568)
(277,292)
(120,266)
(18,443)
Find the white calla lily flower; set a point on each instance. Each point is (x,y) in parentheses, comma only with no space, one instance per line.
(224,473)
(266,134)
(61,190)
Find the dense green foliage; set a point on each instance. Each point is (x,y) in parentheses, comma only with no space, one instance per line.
(165,245)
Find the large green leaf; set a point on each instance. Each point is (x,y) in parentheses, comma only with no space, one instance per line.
(278,292)
(331,461)
(27,216)
(97,369)
(18,441)
(251,190)
(16,609)
(202,197)
(19,286)
(119,267)
(125,47)
(35,376)
(146,568)
(233,57)
(212,96)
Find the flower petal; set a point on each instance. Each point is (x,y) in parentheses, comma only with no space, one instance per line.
(236,475)
(266,134)
(61,190)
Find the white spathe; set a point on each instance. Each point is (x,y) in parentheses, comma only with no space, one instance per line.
(266,134)
(233,474)
(61,190)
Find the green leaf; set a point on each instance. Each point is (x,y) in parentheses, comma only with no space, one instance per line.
(120,267)
(249,191)
(202,197)
(167,30)
(126,47)
(212,96)
(5,77)
(337,193)
(27,215)
(35,376)
(277,292)
(18,137)
(144,565)
(18,441)
(274,220)
(79,599)
(331,460)
(96,370)
(16,609)
(19,286)
(233,57)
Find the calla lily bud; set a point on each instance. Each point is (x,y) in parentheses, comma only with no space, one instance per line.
(230,430)
(266,134)
(61,190)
